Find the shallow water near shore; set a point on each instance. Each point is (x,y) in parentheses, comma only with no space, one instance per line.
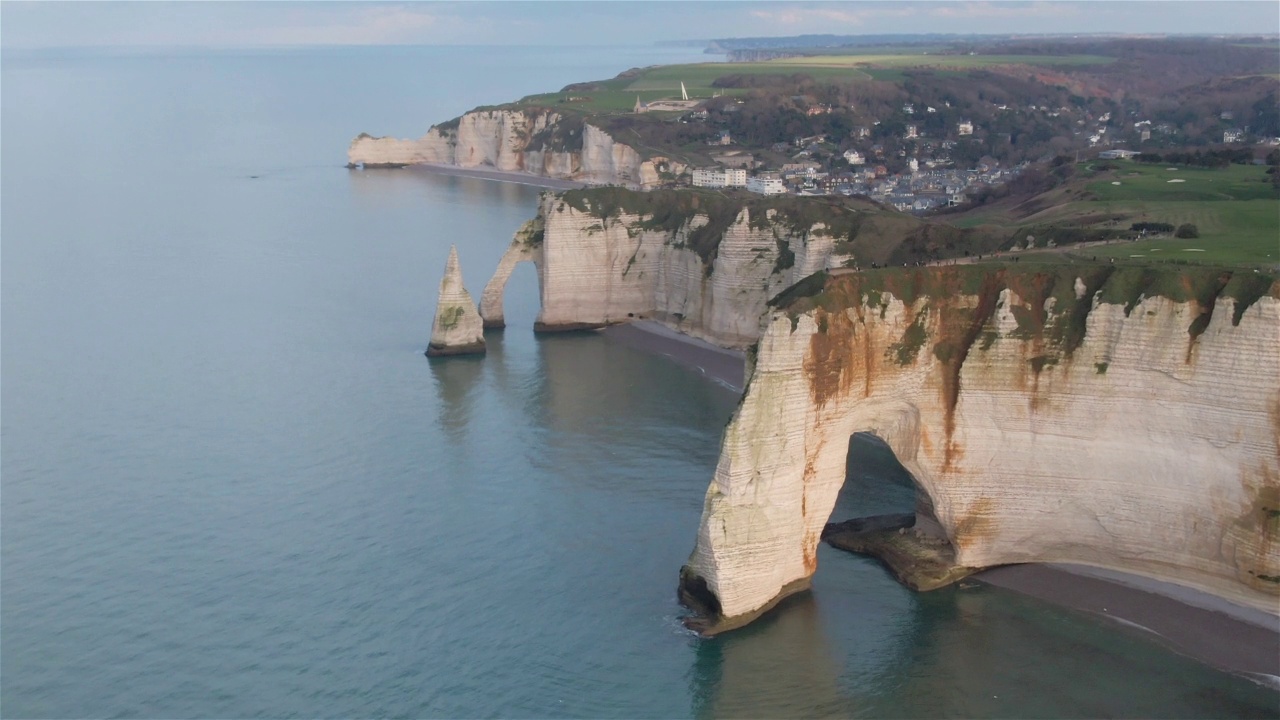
(234,487)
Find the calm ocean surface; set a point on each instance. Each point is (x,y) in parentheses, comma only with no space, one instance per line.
(234,487)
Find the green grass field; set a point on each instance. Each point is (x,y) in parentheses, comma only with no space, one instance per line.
(1235,209)
(1142,182)
(618,95)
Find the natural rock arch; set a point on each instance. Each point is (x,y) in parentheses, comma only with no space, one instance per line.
(1111,444)
(774,490)
(526,246)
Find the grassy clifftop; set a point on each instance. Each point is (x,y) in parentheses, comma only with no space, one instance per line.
(1056,298)
(863,229)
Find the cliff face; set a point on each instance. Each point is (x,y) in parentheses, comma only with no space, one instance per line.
(1121,418)
(539,142)
(707,273)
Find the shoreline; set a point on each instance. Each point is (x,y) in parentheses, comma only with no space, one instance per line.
(720,365)
(1222,634)
(1230,637)
(517,178)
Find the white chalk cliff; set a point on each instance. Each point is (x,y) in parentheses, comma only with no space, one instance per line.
(535,141)
(1122,418)
(457,328)
(597,267)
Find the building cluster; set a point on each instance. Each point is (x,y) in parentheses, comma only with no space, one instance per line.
(916,191)
(925,177)
(719,177)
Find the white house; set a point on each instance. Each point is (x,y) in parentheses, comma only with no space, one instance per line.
(912,131)
(964,127)
(1117,154)
(854,157)
(1233,135)
(766,184)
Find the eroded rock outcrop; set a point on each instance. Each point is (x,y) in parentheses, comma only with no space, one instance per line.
(1121,418)
(705,269)
(457,328)
(526,246)
(536,141)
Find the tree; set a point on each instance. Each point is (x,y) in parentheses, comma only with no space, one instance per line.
(1187,230)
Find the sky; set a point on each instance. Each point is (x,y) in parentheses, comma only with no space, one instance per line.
(31,25)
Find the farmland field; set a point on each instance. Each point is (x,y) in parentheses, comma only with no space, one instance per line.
(619,94)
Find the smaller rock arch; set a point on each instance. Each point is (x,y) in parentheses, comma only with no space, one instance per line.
(526,246)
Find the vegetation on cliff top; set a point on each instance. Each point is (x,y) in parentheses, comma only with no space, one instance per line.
(1112,284)
(1024,100)
(1055,299)
(862,228)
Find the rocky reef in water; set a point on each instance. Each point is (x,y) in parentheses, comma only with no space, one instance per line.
(1120,417)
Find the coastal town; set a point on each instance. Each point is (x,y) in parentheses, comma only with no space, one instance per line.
(911,172)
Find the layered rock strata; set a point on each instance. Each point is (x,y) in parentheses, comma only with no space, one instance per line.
(535,141)
(706,273)
(457,328)
(1124,418)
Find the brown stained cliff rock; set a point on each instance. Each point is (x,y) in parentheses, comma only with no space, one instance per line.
(1205,294)
(988,296)
(825,364)
(977,525)
(1253,543)
(810,543)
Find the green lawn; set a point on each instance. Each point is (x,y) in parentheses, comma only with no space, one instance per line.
(1246,231)
(1235,209)
(1143,181)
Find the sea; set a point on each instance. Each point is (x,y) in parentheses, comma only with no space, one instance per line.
(233,486)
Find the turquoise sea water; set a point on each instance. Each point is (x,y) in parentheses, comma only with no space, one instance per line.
(232,486)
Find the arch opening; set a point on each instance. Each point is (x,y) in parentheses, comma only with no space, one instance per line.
(875,481)
(492,300)
(522,296)
(882,510)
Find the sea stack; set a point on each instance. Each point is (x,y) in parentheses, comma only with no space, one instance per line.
(457,329)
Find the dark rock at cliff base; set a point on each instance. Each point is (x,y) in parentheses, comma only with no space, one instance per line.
(471,349)
(706,618)
(918,560)
(541,327)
